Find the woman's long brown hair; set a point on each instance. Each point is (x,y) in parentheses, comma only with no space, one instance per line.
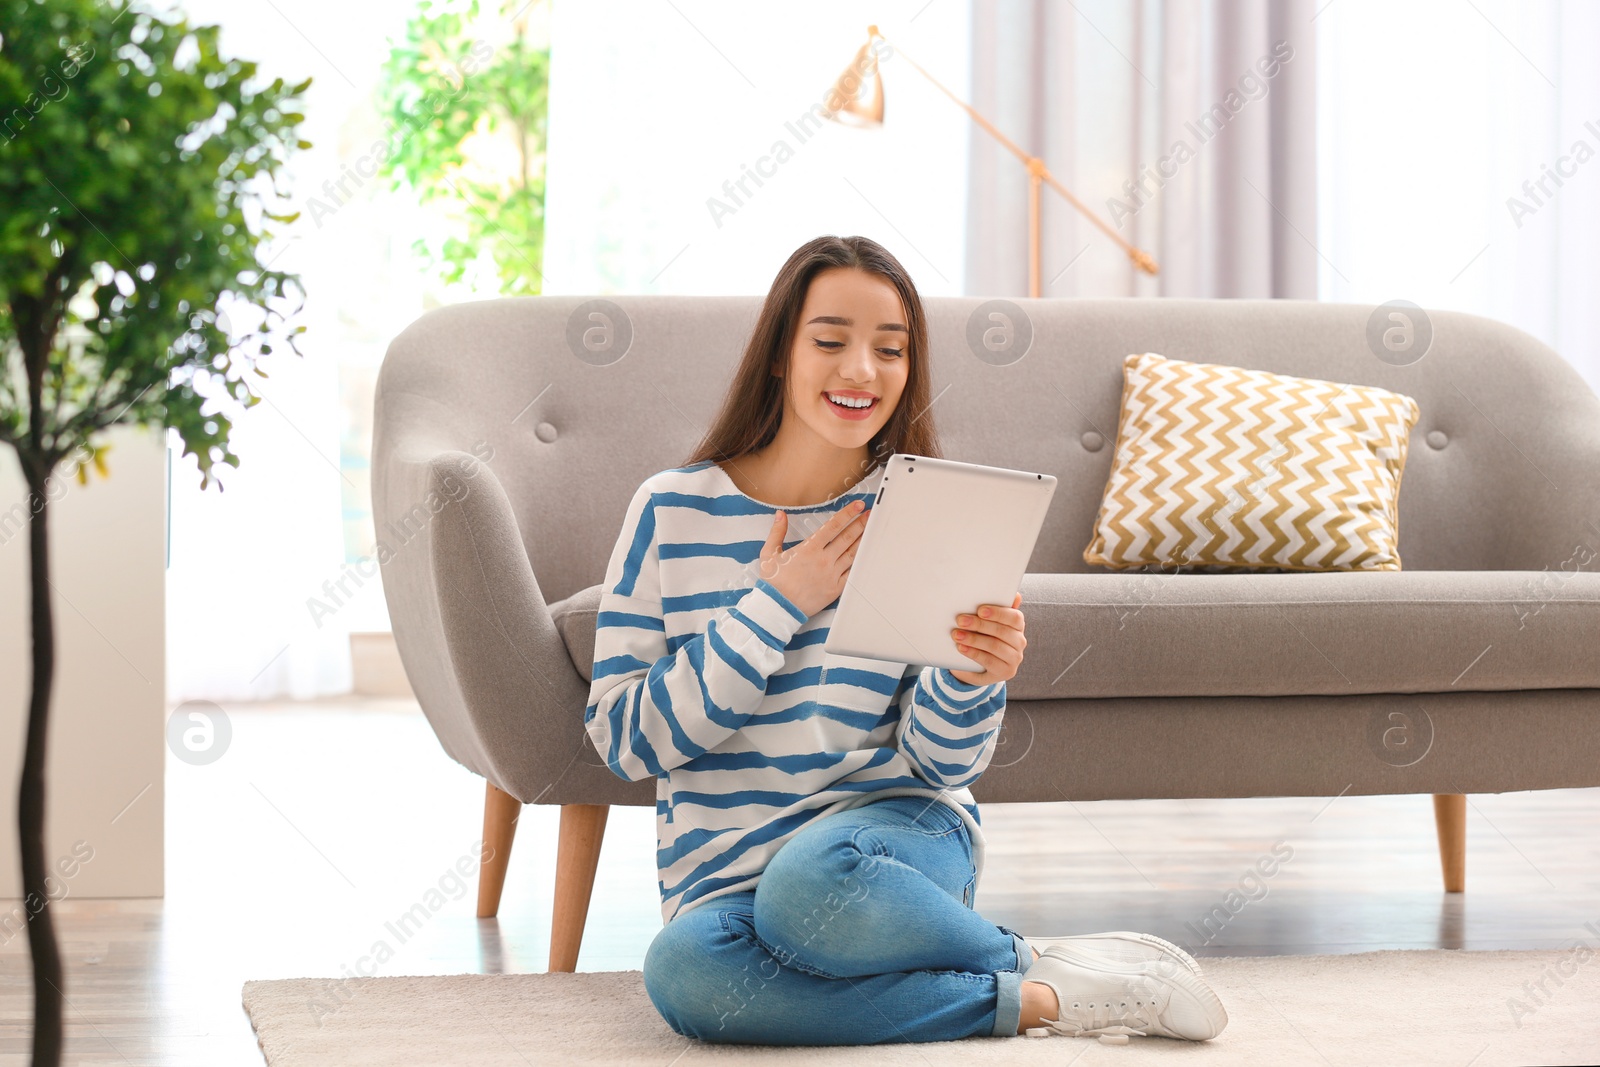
(753,407)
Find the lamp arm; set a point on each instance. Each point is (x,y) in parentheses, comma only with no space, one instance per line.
(1141,259)
(1035,165)
(979,119)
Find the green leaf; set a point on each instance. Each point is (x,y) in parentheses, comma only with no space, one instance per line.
(108,178)
(510,93)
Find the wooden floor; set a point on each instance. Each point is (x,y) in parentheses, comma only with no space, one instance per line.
(290,855)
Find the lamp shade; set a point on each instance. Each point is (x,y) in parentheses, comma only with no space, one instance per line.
(849,89)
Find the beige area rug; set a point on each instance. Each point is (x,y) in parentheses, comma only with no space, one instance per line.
(1399,1007)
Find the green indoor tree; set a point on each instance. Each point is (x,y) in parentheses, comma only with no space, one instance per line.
(444,91)
(138,181)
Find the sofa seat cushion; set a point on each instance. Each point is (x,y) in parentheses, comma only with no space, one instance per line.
(575,619)
(1140,634)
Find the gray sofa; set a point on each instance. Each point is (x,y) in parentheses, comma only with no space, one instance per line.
(510,435)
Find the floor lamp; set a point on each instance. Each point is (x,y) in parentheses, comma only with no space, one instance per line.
(853,112)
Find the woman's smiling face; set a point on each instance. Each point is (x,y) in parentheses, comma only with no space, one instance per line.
(851,343)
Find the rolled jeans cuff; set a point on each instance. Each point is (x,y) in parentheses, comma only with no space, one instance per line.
(1007,1003)
(1008,991)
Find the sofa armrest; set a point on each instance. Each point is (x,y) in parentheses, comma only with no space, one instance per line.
(472,626)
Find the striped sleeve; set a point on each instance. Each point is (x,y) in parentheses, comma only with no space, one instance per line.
(650,710)
(948,729)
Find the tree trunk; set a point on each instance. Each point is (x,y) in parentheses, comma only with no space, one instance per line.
(47,982)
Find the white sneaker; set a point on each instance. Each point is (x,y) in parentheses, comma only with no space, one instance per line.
(1098,995)
(1125,946)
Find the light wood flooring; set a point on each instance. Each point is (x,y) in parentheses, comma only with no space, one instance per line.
(325,821)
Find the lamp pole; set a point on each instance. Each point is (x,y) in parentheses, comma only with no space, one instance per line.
(848,86)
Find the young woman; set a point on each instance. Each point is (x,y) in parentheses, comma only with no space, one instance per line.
(818,845)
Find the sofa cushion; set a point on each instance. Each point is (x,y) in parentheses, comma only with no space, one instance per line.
(1293,634)
(1220,468)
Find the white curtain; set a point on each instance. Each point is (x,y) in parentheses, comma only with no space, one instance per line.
(1188,126)
(1460,148)
(246,563)
(260,597)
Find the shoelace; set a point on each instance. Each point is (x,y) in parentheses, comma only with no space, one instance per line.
(1107,1015)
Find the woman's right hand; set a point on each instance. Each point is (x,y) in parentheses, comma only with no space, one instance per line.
(812,574)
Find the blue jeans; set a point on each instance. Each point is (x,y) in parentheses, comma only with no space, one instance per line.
(860,931)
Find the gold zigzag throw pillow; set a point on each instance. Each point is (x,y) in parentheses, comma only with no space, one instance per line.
(1219,468)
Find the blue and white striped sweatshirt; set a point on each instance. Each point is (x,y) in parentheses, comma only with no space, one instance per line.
(710,679)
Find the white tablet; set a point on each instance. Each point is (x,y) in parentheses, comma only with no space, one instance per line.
(942,538)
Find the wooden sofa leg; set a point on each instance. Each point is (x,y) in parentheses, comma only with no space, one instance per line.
(501,811)
(583,828)
(1450,819)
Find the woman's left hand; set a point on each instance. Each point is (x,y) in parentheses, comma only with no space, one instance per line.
(994,638)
